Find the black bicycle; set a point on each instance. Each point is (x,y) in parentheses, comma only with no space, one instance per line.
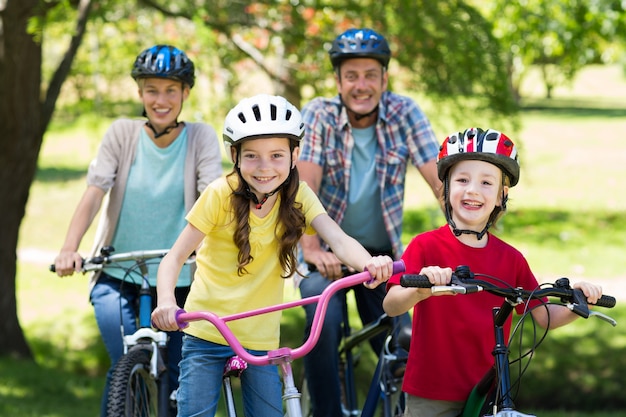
(384,393)
(494,395)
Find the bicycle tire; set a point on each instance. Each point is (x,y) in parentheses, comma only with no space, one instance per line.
(133,392)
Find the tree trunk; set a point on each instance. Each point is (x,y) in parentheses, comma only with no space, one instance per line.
(25,112)
(20,141)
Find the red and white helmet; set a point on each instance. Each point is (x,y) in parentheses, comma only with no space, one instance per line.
(483,145)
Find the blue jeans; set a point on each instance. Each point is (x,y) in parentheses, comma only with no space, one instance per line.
(116,304)
(321,365)
(201,371)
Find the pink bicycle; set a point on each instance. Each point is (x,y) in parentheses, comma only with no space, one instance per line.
(283,356)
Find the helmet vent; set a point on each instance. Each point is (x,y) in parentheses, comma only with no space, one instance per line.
(492,136)
(288,115)
(273,111)
(242,117)
(257,112)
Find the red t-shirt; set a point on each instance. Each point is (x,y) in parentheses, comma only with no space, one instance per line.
(453,336)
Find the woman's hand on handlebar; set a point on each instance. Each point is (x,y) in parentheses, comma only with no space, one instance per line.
(67,262)
(164,317)
(380,268)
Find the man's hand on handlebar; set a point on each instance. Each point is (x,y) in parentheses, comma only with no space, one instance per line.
(328,265)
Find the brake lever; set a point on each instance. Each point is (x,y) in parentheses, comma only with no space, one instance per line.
(456,286)
(454,289)
(603,317)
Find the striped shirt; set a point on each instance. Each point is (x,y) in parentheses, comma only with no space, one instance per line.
(404,135)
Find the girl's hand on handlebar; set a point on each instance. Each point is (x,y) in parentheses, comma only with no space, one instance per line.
(381,269)
(68,262)
(164,317)
(593,292)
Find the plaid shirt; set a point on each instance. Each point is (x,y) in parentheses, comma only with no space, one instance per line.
(403,133)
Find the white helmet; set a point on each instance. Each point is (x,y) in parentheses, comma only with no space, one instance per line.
(262,116)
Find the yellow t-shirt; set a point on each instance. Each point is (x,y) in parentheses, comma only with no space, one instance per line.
(218,288)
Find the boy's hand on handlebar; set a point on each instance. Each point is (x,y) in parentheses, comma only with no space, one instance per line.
(380,268)
(164,317)
(593,292)
(68,262)
(438,277)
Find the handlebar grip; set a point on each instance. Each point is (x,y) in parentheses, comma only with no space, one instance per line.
(415,280)
(181,324)
(606,301)
(52,268)
(398,266)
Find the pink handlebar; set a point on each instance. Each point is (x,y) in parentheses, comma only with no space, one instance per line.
(284,353)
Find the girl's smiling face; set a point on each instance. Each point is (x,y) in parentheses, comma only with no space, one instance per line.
(265,164)
(475,190)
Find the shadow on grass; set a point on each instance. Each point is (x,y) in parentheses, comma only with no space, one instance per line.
(59,174)
(537,226)
(28,390)
(572,108)
(64,174)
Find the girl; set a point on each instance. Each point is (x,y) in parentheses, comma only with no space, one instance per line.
(477,169)
(248,225)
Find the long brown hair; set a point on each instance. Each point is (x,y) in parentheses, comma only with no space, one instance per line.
(289,228)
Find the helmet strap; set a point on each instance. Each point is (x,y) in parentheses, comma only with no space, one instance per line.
(165,131)
(459,232)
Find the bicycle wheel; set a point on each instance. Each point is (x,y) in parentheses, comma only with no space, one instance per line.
(133,391)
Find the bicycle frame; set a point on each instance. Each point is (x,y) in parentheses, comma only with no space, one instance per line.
(500,373)
(282,356)
(349,342)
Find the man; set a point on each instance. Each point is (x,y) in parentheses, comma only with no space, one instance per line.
(354,155)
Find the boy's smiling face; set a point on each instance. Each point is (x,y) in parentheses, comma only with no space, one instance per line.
(475,190)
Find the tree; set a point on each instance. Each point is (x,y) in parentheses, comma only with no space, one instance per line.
(25,112)
(445,49)
(558,36)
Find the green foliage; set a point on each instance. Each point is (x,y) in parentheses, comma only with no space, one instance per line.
(559,36)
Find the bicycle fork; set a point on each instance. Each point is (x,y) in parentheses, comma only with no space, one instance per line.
(503,375)
(154,340)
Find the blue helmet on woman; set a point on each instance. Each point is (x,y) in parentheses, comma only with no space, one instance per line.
(360,43)
(164,61)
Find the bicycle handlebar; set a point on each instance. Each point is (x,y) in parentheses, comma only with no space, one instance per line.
(463,282)
(106,258)
(282,353)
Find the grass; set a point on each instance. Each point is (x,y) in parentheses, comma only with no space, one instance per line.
(568,216)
